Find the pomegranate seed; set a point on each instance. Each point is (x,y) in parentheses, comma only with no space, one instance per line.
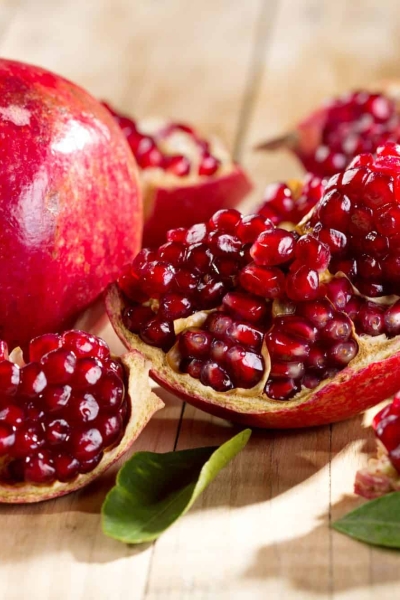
(334,210)
(297,326)
(195,343)
(392,319)
(185,282)
(87,373)
(225,220)
(83,344)
(218,351)
(250,228)
(58,365)
(282,389)
(33,380)
(388,221)
(210,293)
(7,439)
(199,258)
(12,415)
(158,333)
(192,366)
(174,306)
(245,335)
(135,317)
(9,378)
(209,165)
(172,252)
(110,427)
(334,239)
(157,278)
(39,468)
(224,244)
(318,312)
(343,352)
(249,308)
(369,268)
(176,235)
(262,281)
(218,324)
(291,370)
(370,319)
(273,247)
(338,328)
(284,347)
(378,190)
(213,375)
(43,344)
(28,439)
(178,165)
(246,368)
(56,397)
(312,252)
(86,466)
(110,391)
(311,380)
(302,284)
(57,431)
(86,443)
(66,466)
(83,408)
(339,292)
(317,358)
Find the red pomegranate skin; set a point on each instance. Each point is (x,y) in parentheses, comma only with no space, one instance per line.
(70,207)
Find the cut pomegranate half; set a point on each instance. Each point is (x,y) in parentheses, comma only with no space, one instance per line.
(68,414)
(261,325)
(185,178)
(382,475)
(351,124)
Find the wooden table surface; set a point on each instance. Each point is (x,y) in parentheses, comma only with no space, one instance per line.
(244,69)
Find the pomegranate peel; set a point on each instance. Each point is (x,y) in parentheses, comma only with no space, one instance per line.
(371,375)
(141,404)
(184,177)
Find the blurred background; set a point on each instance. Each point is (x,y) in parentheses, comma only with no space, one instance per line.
(244,69)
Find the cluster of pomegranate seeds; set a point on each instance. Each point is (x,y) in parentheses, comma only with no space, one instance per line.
(148,153)
(61,410)
(359,219)
(387,429)
(290,202)
(354,124)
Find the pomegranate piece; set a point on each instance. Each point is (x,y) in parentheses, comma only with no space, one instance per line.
(185,178)
(67,415)
(284,339)
(330,139)
(50,128)
(382,475)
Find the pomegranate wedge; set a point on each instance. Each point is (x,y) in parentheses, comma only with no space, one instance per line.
(185,178)
(68,414)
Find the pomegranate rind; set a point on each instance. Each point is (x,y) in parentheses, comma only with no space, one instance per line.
(372,376)
(143,404)
(180,204)
(378,478)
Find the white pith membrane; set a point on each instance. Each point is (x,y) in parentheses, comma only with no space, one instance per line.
(379,477)
(249,401)
(143,403)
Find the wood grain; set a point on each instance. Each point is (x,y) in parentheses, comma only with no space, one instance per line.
(245,70)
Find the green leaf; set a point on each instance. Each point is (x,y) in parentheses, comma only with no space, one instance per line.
(376,522)
(153,490)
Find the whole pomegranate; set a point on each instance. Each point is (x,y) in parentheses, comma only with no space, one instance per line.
(356,122)
(185,178)
(274,328)
(67,413)
(69,199)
